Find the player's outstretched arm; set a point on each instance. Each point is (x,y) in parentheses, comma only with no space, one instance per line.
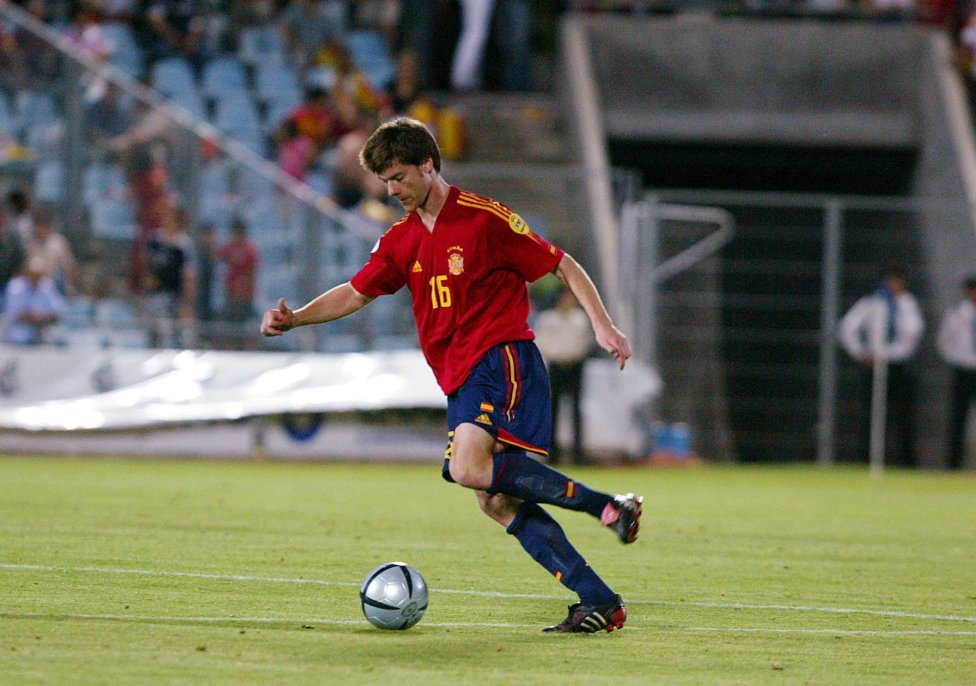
(335,303)
(608,336)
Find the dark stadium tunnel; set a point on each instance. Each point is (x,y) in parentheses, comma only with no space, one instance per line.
(763,429)
(758,167)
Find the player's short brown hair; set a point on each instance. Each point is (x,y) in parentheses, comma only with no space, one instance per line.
(402,140)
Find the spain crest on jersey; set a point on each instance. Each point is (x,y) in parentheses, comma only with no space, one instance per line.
(455,263)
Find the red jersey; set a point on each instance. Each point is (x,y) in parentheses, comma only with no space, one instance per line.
(467,278)
(242,260)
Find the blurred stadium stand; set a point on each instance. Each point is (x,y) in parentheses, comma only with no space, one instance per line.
(800,129)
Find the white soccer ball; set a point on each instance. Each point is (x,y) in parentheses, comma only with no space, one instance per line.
(394,596)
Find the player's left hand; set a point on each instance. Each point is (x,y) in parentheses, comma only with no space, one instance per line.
(278,321)
(615,342)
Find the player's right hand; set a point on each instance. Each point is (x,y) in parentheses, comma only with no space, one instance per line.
(276,322)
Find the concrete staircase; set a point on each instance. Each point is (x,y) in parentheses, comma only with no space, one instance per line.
(515,155)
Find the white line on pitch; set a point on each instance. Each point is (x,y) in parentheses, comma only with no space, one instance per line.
(311,622)
(492,594)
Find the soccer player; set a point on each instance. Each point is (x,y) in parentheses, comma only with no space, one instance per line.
(466,260)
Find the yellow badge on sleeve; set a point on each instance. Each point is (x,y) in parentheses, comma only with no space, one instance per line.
(518,225)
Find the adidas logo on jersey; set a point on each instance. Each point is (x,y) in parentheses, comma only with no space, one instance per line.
(416,267)
(484,419)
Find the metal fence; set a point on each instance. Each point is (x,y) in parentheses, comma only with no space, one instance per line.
(745,338)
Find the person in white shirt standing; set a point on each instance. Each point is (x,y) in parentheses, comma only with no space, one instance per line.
(957,345)
(563,336)
(884,328)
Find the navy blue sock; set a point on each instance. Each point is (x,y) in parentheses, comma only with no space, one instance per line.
(520,476)
(545,541)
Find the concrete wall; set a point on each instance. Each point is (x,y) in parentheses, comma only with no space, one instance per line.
(772,81)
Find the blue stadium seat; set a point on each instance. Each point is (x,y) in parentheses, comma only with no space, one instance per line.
(260,44)
(133,337)
(320,77)
(235,113)
(126,53)
(279,108)
(79,312)
(366,44)
(172,75)
(215,194)
(371,54)
(275,282)
(100,180)
(395,342)
(44,138)
(191,100)
(115,313)
(341,342)
(49,181)
(273,80)
(7,121)
(113,218)
(222,76)
(34,108)
(321,182)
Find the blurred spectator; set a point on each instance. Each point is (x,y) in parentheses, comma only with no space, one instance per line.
(957,344)
(494,48)
(352,183)
(885,327)
(892,10)
(117,10)
(379,15)
(216,36)
(148,180)
(170,288)
(54,250)
(105,116)
(967,56)
(310,24)
(87,33)
(466,69)
(352,93)
(405,88)
(206,251)
(827,7)
(564,337)
(240,256)
(12,253)
(508,58)
(296,150)
(20,218)
(317,119)
(31,304)
(33,62)
(175,28)
(433,47)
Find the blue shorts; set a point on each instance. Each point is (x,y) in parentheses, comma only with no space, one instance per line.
(507,395)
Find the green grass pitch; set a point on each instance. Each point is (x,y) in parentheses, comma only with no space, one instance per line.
(203,572)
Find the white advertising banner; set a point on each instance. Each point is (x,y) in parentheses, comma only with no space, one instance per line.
(187,402)
(57,389)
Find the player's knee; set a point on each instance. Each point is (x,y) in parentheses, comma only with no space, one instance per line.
(499,507)
(468,475)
